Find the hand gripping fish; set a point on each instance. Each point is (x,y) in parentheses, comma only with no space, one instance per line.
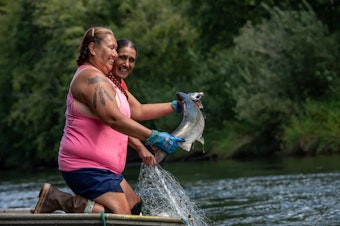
(192,125)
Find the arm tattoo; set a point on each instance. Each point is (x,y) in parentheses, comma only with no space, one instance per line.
(99,91)
(95,99)
(101,96)
(96,80)
(108,95)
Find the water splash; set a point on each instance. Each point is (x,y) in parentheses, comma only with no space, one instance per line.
(162,195)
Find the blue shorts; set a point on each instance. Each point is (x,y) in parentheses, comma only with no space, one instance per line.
(92,183)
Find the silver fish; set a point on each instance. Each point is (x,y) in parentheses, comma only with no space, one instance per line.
(192,125)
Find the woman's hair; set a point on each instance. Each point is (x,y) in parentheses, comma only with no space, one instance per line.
(93,34)
(121,43)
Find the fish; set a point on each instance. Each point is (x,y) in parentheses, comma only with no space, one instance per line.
(192,124)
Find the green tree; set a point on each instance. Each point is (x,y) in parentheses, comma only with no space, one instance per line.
(267,77)
(40,39)
(259,75)
(280,64)
(163,38)
(315,130)
(21,47)
(219,21)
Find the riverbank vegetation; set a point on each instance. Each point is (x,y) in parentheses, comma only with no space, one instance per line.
(269,71)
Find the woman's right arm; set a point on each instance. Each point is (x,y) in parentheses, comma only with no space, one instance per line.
(92,89)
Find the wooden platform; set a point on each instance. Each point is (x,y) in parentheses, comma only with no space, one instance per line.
(25,217)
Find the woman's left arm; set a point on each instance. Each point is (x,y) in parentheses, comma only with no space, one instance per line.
(147,157)
(142,112)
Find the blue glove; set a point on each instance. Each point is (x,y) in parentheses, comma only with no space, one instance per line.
(176,106)
(164,141)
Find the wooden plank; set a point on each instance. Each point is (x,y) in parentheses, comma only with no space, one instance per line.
(25,217)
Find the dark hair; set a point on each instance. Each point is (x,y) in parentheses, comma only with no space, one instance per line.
(93,34)
(121,43)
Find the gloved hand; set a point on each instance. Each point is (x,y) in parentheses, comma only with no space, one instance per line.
(176,106)
(164,141)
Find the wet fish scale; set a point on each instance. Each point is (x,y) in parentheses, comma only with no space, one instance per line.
(192,125)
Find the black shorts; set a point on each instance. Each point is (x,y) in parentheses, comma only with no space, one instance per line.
(92,183)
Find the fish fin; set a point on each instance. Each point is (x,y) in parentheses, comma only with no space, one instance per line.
(186,146)
(201,140)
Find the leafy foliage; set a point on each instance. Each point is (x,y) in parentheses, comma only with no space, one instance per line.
(272,79)
(315,130)
(219,21)
(163,63)
(256,75)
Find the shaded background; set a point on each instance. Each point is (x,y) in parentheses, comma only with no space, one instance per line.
(269,70)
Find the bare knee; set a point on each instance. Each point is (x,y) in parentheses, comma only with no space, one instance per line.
(116,202)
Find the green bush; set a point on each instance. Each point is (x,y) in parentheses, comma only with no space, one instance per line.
(280,64)
(314,131)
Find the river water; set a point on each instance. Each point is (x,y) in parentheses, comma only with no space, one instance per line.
(288,191)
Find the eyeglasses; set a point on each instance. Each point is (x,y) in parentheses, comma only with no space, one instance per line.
(124,58)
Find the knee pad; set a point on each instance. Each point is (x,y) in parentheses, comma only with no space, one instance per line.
(137,208)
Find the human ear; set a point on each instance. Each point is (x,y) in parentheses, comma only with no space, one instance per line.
(91,48)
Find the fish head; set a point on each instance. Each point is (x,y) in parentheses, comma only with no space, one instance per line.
(194,96)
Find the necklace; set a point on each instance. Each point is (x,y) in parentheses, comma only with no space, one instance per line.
(117,83)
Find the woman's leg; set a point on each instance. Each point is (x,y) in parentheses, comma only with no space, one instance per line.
(121,203)
(130,194)
(116,202)
(134,200)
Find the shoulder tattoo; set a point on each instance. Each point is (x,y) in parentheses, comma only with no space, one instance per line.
(100,94)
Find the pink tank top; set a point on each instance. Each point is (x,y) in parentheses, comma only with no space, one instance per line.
(88,143)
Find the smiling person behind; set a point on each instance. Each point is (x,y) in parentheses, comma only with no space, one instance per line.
(122,68)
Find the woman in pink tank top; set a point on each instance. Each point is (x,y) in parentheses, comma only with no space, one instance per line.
(100,120)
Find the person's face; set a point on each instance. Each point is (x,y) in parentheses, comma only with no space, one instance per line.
(125,62)
(105,54)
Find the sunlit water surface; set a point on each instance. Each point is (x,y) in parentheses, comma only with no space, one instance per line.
(262,192)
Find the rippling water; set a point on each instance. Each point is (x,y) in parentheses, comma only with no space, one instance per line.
(306,199)
(285,192)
